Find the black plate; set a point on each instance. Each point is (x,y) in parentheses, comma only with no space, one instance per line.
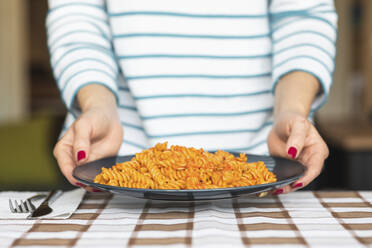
(286,171)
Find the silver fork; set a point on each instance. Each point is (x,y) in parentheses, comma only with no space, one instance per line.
(25,206)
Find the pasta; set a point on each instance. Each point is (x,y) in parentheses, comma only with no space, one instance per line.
(179,167)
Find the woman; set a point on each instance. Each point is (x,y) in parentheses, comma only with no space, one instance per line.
(234,75)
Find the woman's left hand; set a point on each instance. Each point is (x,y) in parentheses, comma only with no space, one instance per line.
(293,136)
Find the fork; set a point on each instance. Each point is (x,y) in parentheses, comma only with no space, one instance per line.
(25,206)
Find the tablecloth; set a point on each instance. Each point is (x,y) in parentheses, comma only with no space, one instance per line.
(299,219)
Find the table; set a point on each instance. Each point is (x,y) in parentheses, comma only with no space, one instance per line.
(299,219)
(351,145)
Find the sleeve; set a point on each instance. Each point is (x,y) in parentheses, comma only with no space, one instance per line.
(304,34)
(79,42)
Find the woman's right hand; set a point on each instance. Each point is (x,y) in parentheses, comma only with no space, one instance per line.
(97,133)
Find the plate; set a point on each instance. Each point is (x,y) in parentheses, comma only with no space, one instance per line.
(286,171)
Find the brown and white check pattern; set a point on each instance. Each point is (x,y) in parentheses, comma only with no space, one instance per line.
(299,219)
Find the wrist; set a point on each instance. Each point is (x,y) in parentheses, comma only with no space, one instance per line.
(96,96)
(295,93)
(295,109)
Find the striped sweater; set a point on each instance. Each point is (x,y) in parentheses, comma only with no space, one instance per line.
(194,73)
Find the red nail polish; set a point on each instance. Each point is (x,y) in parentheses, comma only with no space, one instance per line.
(80,185)
(292,151)
(81,155)
(278,192)
(298,185)
(96,190)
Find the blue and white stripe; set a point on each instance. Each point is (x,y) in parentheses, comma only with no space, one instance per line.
(192,73)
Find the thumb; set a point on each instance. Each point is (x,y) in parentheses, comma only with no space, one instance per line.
(297,135)
(81,145)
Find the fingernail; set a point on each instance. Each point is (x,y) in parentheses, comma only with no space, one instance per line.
(292,151)
(81,155)
(96,190)
(80,185)
(298,185)
(278,192)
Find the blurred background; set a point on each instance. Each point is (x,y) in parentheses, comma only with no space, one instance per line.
(32,113)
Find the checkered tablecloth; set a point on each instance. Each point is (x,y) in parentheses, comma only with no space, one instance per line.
(299,219)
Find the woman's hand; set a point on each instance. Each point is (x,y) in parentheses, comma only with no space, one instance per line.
(97,133)
(294,137)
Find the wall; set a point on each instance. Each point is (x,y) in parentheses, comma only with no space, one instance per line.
(341,103)
(13,59)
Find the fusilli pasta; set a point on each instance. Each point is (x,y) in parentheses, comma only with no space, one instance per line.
(179,167)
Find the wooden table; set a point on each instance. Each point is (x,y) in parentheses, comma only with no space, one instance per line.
(350,135)
(350,161)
